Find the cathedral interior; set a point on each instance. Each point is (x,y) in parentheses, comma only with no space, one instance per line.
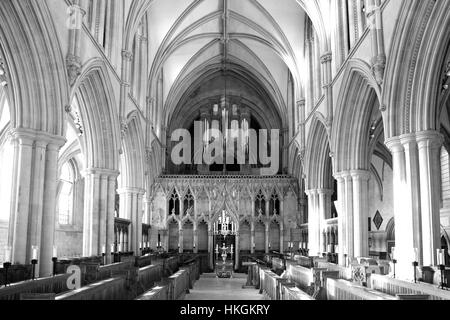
(298,149)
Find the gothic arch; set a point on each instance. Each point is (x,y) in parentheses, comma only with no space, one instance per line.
(133,166)
(411,87)
(317,157)
(96,101)
(355,107)
(37,80)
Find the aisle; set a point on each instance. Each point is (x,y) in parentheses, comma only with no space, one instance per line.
(211,288)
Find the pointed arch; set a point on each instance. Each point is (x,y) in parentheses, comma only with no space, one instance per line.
(133,166)
(98,110)
(421,39)
(317,157)
(37,79)
(359,95)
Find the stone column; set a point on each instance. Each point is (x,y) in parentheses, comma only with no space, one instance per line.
(49,209)
(98,210)
(361,212)
(324,211)
(131,208)
(195,238)
(281,237)
(406,206)
(33,196)
(267,237)
(314,231)
(252,238)
(430,143)
(237,250)
(180,240)
(211,248)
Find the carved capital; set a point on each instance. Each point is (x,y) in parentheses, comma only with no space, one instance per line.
(127,55)
(326,57)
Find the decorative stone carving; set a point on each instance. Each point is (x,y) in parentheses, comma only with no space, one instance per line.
(3,78)
(73,65)
(378,67)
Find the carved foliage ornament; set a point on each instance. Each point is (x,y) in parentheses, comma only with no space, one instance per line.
(3,79)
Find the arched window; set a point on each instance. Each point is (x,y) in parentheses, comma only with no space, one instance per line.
(260,204)
(174,203)
(274,206)
(66,194)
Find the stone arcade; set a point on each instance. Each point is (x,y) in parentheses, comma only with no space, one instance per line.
(114,121)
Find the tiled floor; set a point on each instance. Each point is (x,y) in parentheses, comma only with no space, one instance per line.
(211,288)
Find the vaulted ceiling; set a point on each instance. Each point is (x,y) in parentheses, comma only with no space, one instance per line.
(260,41)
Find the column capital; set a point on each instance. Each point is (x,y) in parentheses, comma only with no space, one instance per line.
(327,192)
(361,174)
(301,103)
(105,172)
(31,135)
(127,55)
(340,176)
(432,139)
(394,144)
(137,191)
(407,139)
(312,192)
(326,57)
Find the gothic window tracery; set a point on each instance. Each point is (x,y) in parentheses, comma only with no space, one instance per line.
(174,203)
(260,204)
(274,207)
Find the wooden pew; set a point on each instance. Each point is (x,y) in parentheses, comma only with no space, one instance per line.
(344,273)
(149,275)
(109,289)
(178,285)
(399,287)
(160,292)
(294,293)
(345,290)
(302,276)
(48,285)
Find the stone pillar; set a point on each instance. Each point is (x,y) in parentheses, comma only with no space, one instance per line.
(281,237)
(314,231)
(211,248)
(131,208)
(33,196)
(406,202)
(252,238)
(267,234)
(237,251)
(345,219)
(180,241)
(429,144)
(49,209)
(195,238)
(98,223)
(324,211)
(361,212)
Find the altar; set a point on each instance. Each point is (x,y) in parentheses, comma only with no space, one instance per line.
(224,266)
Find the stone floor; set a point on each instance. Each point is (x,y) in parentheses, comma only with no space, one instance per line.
(211,288)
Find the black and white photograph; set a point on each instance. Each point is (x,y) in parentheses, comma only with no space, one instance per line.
(224,158)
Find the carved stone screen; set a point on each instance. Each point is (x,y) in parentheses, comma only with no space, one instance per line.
(202,231)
